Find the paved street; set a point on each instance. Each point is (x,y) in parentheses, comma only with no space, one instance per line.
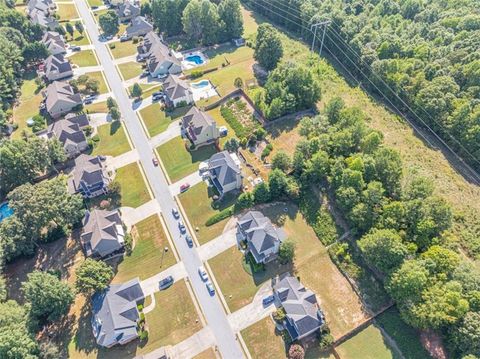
(215,316)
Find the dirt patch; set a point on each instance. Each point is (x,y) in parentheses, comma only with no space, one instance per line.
(434,344)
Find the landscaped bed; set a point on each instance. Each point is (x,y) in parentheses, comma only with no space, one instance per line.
(133,189)
(112,140)
(84,58)
(144,261)
(262,341)
(156,120)
(130,70)
(180,162)
(123,49)
(197,202)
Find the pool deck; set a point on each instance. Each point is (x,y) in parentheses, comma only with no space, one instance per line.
(187,65)
(203,92)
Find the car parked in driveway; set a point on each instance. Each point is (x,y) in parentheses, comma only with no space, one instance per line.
(165,282)
(268,300)
(144,74)
(203,273)
(184,187)
(181,227)
(210,288)
(189,240)
(175,213)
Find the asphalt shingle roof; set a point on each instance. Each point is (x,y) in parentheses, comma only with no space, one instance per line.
(223,168)
(101,232)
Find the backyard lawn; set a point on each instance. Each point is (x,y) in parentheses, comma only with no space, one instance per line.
(133,189)
(113,140)
(156,120)
(144,261)
(123,49)
(29,102)
(262,341)
(197,204)
(77,38)
(130,70)
(98,107)
(102,85)
(84,58)
(217,116)
(67,12)
(178,161)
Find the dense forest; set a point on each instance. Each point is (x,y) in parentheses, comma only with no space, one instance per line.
(422,55)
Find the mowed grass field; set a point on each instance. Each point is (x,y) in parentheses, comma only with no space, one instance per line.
(98,107)
(67,12)
(102,85)
(262,341)
(29,102)
(113,140)
(77,38)
(156,120)
(147,89)
(133,189)
(84,58)
(207,354)
(130,70)
(180,162)
(123,49)
(144,261)
(197,203)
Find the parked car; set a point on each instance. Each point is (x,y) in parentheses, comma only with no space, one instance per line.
(203,273)
(162,76)
(267,300)
(158,93)
(175,213)
(75,48)
(94,7)
(210,288)
(165,282)
(141,58)
(109,37)
(181,227)
(156,98)
(102,157)
(155,162)
(123,38)
(87,101)
(184,187)
(189,240)
(144,74)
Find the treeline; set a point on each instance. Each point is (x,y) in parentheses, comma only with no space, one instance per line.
(19,41)
(402,229)
(204,22)
(425,51)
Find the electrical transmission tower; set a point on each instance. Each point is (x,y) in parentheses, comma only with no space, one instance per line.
(316,26)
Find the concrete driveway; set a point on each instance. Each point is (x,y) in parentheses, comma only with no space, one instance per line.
(150,285)
(191,179)
(122,160)
(218,245)
(131,216)
(122,60)
(171,132)
(85,70)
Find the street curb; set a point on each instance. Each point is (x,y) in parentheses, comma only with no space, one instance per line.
(169,237)
(219,291)
(243,345)
(195,301)
(167,177)
(140,119)
(149,188)
(132,147)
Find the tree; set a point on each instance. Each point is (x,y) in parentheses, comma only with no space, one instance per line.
(111,103)
(296,352)
(465,336)
(34,52)
(167,15)
(79,27)
(69,29)
(281,161)
(277,183)
(408,282)
(201,22)
(441,260)
(49,350)
(115,114)
(146,10)
(109,22)
(286,254)
(268,47)
(48,296)
(261,193)
(230,15)
(137,90)
(93,276)
(238,83)
(245,200)
(3,289)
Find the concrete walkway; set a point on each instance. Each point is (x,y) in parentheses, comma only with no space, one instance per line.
(131,216)
(218,245)
(253,312)
(150,285)
(98,119)
(122,160)
(191,179)
(171,132)
(85,70)
(151,306)
(140,105)
(122,60)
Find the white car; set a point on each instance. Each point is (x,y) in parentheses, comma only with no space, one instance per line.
(162,76)
(203,273)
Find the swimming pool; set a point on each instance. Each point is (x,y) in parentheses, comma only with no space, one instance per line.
(201,84)
(196,59)
(5,211)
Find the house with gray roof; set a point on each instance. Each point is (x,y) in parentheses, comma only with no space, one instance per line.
(103,233)
(69,132)
(224,172)
(177,91)
(127,11)
(89,177)
(303,315)
(56,67)
(46,6)
(262,237)
(139,27)
(115,313)
(54,42)
(43,18)
(160,58)
(60,99)
(199,127)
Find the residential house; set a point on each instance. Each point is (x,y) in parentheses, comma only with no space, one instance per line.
(177,91)
(139,27)
(262,237)
(224,172)
(54,42)
(127,11)
(46,6)
(160,58)
(56,67)
(199,127)
(239,42)
(44,19)
(115,313)
(89,177)
(103,233)
(303,315)
(69,132)
(60,98)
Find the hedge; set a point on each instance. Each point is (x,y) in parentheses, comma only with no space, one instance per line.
(227,212)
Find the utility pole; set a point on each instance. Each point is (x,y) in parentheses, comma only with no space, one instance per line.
(315,26)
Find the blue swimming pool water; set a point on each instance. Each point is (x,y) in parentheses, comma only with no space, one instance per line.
(5,211)
(201,84)
(196,59)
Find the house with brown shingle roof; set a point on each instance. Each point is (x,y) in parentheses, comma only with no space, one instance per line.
(54,42)
(177,91)
(199,127)
(160,58)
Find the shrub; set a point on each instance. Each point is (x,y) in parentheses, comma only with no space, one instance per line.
(195,74)
(326,341)
(286,253)
(279,315)
(243,142)
(238,82)
(111,45)
(96,138)
(296,352)
(88,130)
(143,336)
(227,212)
(260,133)
(135,39)
(245,200)
(140,307)
(128,243)
(266,151)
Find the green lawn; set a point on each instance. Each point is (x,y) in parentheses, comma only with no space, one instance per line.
(123,49)
(178,161)
(130,70)
(156,120)
(262,341)
(29,102)
(67,12)
(217,116)
(147,89)
(95,2)
(98,75)
(368,344)
(113,140)
(77,38)
(197,204)
(84,58)
(146,257)
(98,107)
(133,189)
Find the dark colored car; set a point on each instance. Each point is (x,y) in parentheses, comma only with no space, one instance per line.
(175,213)
(165,282)
(144,74)
(267,300)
